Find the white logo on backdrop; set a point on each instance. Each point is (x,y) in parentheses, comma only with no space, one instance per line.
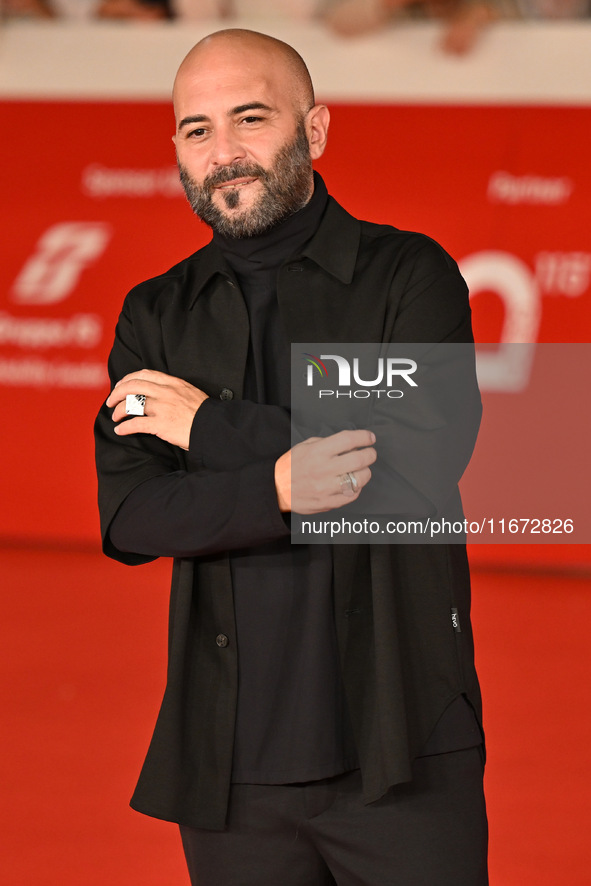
(507,368)
(61,254)
(503,187)
(103,181)
(79,331)
(48,277)
(563,273)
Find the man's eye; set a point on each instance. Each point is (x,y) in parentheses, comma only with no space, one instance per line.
(197,133)
(251,119)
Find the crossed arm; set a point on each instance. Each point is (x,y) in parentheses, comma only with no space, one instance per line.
(182,513)
(218,475)
(307,476)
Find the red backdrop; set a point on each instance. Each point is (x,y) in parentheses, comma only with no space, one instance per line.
(92,205)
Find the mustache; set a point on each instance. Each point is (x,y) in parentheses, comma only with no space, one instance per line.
(236,170)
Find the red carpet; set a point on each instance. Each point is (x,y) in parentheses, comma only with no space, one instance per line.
(83,646)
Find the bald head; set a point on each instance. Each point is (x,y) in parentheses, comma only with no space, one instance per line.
(247,131)
(250,50)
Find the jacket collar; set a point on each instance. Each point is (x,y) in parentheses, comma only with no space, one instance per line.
(335,244)
(333,247)
(206,263)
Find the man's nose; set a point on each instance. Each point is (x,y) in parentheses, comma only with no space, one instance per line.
(226,147)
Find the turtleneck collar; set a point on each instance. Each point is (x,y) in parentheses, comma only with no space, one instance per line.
(270,249)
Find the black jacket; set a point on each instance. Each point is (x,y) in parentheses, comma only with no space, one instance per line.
(402,660)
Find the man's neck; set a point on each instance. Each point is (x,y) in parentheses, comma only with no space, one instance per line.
(271,248)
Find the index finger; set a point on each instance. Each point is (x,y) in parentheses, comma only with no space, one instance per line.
(345,441)
(133,383)
(152,375)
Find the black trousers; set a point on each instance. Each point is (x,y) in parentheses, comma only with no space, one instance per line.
(430,832)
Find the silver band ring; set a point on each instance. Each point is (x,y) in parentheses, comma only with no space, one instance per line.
(349,484)
(135,404)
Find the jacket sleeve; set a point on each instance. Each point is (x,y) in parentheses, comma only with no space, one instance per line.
(425,443)
(424,438)
(155,500)
(186,514)
(230,435)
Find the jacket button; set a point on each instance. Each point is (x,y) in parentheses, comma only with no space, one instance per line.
(221,640)
(226,394)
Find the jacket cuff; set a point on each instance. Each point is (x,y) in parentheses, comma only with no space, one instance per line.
(257,486)
(207,430)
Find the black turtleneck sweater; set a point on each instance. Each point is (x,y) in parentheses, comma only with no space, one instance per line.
(256,262)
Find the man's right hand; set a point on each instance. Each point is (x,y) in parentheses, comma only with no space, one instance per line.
(312,477)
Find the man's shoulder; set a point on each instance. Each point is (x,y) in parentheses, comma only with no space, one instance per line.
(379,238)
(410,248)
(180,281)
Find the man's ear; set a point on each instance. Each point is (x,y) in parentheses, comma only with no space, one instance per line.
(317,120)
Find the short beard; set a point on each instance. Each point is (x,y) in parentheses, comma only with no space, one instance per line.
(286,189)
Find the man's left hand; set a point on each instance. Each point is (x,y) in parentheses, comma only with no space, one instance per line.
(169,410)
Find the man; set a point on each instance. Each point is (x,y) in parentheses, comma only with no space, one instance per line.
(321,718)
